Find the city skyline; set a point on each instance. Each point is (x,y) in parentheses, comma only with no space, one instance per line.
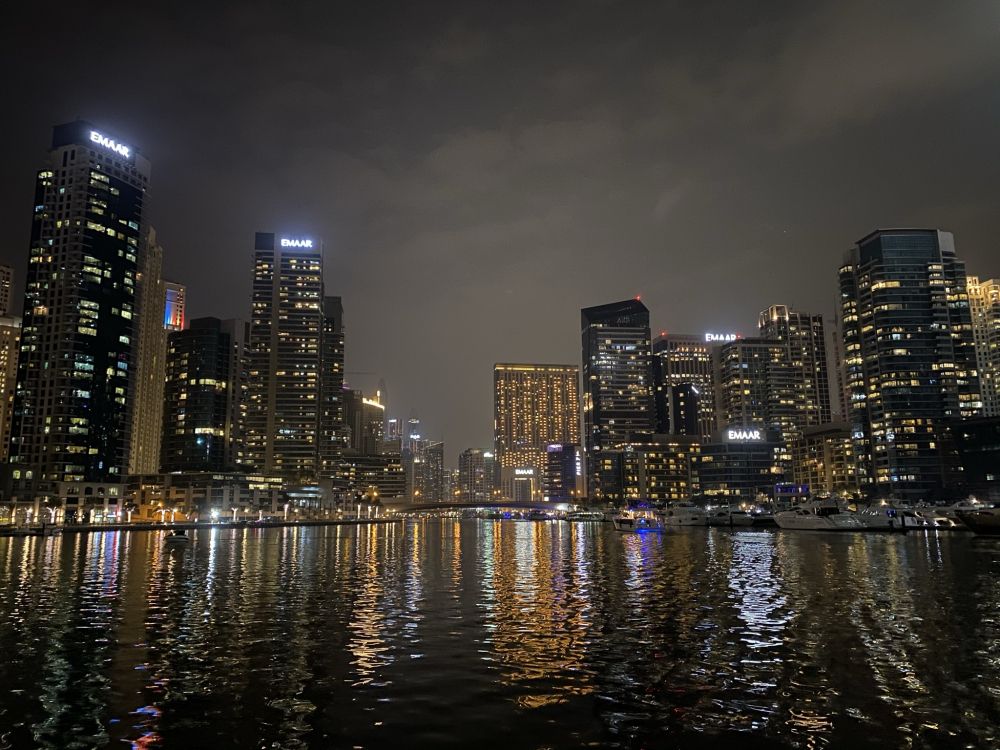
(640,170)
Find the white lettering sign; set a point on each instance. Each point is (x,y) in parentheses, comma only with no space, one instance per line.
(524,472)
(285,242)
(108,143)
(743,435)
(723,337)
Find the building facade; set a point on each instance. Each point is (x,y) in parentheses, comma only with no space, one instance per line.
(174,306)
(534,405)
(984,301)
(685,359)
(475,481)
(804,338)
(285,416)
(909,358)
(203,414)
(741,465)
(618,402)
(76,369)
(823,459)
(150,362)
(10,342)
(6,289)
(563,480)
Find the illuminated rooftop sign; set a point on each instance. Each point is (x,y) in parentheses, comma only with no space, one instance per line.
(721,337)
(290,242)
(524,472)
(112,145)
(743,435)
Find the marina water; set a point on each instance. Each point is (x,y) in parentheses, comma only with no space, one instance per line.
(481,633)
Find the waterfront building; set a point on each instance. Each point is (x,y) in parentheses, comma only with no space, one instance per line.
(295,354)
(428,473)
(10,340)
(534,405)
(333,438)
(475,480)
(660,468)
(563,480)
(677,407)
(823,459)
(203,417)
(150,362)
(804,338)
(375,477)
(6,289)
(984,301)
(618,399)
(742,464)
(364,421)
(76,368)
(205,496)
(687,359)
(758,385)
(978,445)
(175,306)
(910,360)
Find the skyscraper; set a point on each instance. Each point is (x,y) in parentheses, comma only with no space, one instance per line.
(984,299)
(757,386)
(76,368)
(684,359)
(563,480)
(474,481)
(804,338)
(6,289)
(205,380)
(617,388)
(150,367)
(909,355)
(429,483)
(533,406)
(175,306)
(10,340)
(332,437)
(286,342)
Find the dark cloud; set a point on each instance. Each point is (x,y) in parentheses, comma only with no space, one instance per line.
(480,171)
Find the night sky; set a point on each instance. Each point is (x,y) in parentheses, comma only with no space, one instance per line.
(481,171)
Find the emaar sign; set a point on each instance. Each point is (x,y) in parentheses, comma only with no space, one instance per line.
(743,435)
(286,242)
(110,144)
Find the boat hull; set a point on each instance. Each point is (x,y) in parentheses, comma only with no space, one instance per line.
(982,522)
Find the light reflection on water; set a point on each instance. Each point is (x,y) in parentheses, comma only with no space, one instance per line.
(499,634)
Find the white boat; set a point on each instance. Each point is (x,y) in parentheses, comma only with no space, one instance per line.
(684,514)
(984,521)
(880,517)
(584,515)
(818,515)
(636,522)
(720,517)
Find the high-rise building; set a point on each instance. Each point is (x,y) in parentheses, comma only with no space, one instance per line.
(909,355)
(364,418)
(203,417)
(563,480)
(150,367)
(10,340)
(286,357)
(533,406)
(332,436)
(428,474)
(75,383)
(823,459)
(660,468)
(682,359)
(175,306)
(474,482)
(617,387)
(757,386)
(984,300)
(804,338)
(740,465)
(6,289)
(677,408)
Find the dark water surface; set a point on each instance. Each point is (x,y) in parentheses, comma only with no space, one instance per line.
(500,634)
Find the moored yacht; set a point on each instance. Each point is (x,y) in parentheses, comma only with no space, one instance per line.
(818,515)
(984,521)
(880,517)
(683,514)
(632,521)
